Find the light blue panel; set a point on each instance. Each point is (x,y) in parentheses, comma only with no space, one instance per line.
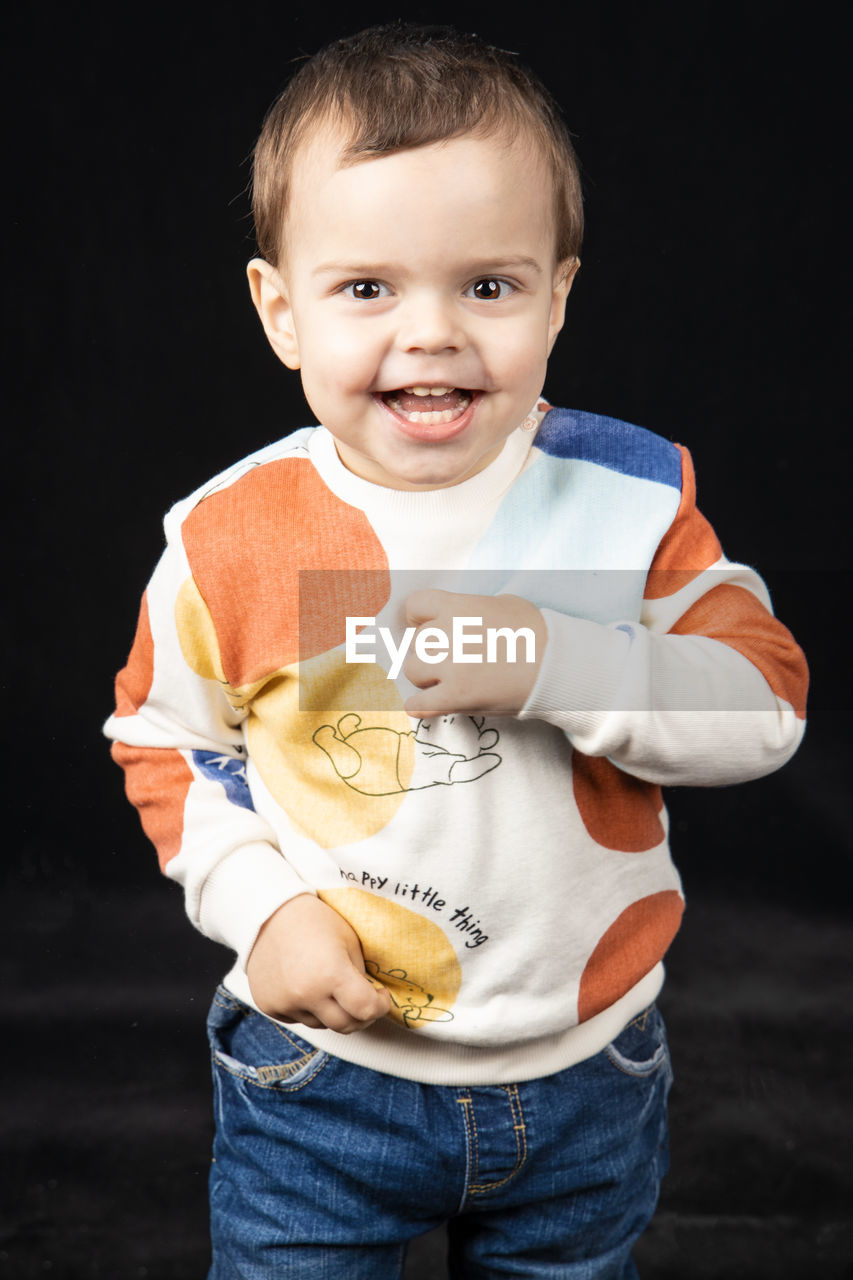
(577,536)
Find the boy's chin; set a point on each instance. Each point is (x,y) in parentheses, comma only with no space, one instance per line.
(427,472)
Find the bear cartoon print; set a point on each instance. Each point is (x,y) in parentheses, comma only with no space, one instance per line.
(447,749)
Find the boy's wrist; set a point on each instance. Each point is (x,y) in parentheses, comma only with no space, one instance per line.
(241,893)
(581,670)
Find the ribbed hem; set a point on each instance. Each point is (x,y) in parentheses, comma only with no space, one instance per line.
(391,1049)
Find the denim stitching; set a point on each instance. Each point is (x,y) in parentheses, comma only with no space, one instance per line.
(231,1004)
(464,1101)
(281,1031)
(473,1186)
(323,1058)
(275,1072)
(641,1019)
(520,1132)
(518,1126)
(225,1002)
(653,1064)
(471,1119)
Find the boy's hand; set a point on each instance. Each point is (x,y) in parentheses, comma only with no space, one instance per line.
(499,687)
(306,966)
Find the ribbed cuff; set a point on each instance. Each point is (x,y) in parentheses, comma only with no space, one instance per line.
(580,674)
(241,894)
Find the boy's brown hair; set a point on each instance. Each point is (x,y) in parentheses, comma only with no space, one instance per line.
(395,87)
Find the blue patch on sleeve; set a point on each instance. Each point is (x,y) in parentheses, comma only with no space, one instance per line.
(619,446)
(230,772)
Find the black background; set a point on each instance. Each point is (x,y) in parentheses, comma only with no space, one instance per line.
(710,307)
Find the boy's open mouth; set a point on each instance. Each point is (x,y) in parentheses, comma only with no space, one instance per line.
(428,405)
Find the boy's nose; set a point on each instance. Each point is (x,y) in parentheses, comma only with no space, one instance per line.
(431,325)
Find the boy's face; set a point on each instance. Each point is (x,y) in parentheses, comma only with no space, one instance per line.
(431,269)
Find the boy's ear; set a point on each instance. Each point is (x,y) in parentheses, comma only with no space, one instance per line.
(563,279)
(269,295)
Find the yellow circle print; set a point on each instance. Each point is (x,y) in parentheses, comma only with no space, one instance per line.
(407,954)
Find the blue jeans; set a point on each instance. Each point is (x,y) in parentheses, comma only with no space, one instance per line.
(324,1170)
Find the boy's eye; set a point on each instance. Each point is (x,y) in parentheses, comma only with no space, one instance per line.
(365,290)
(490,289)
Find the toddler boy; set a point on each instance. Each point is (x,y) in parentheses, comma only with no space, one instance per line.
(404,691)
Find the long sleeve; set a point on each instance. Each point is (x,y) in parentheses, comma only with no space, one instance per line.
(179,739)
(208,723)
(706,688)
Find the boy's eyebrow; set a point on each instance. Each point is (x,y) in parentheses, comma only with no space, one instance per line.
(482,267)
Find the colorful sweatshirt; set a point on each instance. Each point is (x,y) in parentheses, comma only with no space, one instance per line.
(509,877)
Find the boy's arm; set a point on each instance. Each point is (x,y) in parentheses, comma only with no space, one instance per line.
(718,705)
(708,688)
(178,740)
(177,735)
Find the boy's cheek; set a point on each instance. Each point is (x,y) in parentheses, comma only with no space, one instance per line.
(338,363)
(328,392)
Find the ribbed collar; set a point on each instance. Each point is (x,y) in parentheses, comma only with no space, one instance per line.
(418,505)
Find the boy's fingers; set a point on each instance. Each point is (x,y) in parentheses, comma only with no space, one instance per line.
(424,605)
(429,702)
(351,1007)
(334,1018)
(421,674)
(358,998)
(305,1019)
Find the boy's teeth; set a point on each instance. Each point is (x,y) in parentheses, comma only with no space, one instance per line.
(400,402)
(435,415)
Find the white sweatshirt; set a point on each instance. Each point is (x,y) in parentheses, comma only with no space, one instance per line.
(509,877)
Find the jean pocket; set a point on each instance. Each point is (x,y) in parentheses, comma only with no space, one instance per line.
(641,1048)
(249,1045)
